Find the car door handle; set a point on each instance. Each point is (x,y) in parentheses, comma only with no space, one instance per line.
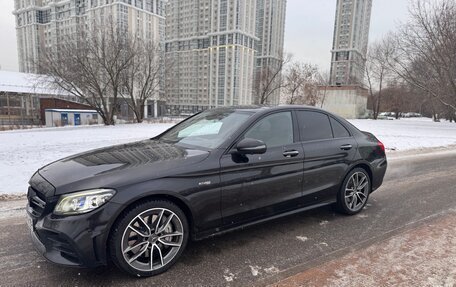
(290,153)
(346,147)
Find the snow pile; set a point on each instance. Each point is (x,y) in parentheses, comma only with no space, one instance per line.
(22,152)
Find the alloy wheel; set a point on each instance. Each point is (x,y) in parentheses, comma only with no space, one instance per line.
(356,191)
(152,239)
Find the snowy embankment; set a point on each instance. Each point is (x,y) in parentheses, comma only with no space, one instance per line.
(22,152)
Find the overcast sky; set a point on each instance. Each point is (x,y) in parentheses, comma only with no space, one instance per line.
(308,32)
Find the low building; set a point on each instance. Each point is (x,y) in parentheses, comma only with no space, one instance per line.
(19,98)
(55,103)
(349,102)
(68,117)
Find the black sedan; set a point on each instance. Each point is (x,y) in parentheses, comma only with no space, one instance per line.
(138,204)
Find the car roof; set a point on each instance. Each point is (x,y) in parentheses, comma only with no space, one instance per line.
(260,110)
(266,108)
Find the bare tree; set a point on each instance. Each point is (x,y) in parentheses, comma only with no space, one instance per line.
(294,81)
(297,76)
(324,80)
(426,50)
(376,70)
(310,91)
(141,79)
(396,98)
(302,81)
(269,80)
(89,64)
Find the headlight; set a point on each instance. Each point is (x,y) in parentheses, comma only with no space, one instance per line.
(82,202)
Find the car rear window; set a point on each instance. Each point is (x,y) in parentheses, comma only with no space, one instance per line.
(338,129)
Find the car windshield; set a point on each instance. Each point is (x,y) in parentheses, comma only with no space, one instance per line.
(208,129)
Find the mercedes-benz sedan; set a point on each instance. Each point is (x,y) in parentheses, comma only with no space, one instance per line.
(138,204)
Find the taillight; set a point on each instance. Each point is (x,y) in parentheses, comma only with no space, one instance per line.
(381,146)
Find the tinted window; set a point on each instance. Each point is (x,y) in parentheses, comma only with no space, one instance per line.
(274,130)
(314,126)
(339,130)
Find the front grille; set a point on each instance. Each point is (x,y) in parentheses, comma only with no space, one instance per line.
(37,202)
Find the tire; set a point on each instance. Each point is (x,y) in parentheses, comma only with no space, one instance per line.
(154,227)
(354,192)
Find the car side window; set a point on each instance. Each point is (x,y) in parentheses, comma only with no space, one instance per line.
(314,126)
(274,130)
(338,129)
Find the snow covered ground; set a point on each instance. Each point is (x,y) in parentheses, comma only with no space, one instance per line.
(411,133)
(22,152)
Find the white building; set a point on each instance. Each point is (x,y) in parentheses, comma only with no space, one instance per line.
(270,29)
(351,34)
(349,102)
(71,117)
(40,23)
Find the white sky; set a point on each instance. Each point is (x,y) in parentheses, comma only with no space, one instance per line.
(308,32)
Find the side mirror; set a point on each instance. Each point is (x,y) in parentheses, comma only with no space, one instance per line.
(251,146)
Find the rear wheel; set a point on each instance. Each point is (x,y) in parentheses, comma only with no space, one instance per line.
(149,238)
(354,192)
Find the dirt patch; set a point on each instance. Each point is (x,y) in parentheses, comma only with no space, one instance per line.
(9,197)
(424,256)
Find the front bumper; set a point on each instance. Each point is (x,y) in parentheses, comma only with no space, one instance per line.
(78,241)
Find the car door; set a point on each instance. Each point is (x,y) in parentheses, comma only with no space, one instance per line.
(328,150)
(257,186)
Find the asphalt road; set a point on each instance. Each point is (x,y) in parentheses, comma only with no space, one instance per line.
(417,188)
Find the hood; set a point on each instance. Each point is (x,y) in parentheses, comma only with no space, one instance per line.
(119,165)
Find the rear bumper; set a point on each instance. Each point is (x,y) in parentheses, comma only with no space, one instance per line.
(76,241)
(378,173)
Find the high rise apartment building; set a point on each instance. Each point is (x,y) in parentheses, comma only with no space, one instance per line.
(215,49)
(210,53)
(350,42)
(41,23)
(270,29)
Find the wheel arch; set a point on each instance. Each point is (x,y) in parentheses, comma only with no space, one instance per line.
(339,198)
(362,165)
(161,196)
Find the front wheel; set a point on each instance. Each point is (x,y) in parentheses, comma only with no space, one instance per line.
(149,238)
(354,192)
